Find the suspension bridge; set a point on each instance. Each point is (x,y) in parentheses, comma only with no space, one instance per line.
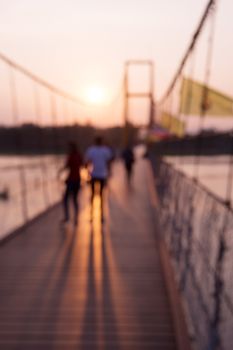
(156,274)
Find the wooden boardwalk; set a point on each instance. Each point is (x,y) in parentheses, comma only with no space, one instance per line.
(99,286)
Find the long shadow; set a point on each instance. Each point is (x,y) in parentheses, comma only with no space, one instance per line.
(110,330)
(35,299)
(99,322)
(64,248)
(50,293)
(89,333)
(59,286)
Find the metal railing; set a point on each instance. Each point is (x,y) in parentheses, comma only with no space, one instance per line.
(198,231)
(27,189)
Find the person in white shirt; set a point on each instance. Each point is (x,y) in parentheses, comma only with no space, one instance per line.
(99,157)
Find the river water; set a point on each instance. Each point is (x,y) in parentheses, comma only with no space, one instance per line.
(28,186)
(212,172)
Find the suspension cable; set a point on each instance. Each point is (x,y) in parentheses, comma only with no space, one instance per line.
(191,46)
(188,101)
(204,101)
(42,162)
(39,80)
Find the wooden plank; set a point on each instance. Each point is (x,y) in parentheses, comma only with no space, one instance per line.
(98,286)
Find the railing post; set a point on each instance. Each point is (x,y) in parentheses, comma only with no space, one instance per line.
(189,247)
(214,336)
(45,184)
(23,185)
(229,182)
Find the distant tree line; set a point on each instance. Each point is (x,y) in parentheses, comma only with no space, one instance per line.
(203,144)
(33,139)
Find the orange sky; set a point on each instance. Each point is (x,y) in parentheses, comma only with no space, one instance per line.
(76,44)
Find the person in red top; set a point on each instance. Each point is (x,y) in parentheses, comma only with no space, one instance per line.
(73,164)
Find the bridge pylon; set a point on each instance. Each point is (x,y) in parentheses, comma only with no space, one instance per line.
(149,94)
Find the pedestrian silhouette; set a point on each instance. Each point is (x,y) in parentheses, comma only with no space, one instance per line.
(128,158)
(73,165)
(98,156)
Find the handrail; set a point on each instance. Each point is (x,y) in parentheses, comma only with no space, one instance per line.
(20,194)
(26,165)
(197,228)
(202,186)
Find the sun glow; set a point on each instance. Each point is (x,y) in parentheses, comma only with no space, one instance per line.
(95,95)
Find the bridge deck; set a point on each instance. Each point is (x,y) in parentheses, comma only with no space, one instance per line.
(94,287)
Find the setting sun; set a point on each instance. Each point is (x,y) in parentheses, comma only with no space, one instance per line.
(95,95)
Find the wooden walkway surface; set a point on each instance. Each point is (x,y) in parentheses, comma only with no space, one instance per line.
(99,286)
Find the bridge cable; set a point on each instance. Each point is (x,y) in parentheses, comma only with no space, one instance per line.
(39,80)
(42,162)
(18,142)
(191,46)
(204,100)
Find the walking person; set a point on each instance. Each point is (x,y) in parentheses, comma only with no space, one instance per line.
(73,165)
(128,158)
(99,157)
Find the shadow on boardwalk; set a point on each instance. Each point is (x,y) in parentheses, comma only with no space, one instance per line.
(94,287)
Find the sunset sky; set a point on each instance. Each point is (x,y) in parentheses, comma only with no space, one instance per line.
(78,45)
